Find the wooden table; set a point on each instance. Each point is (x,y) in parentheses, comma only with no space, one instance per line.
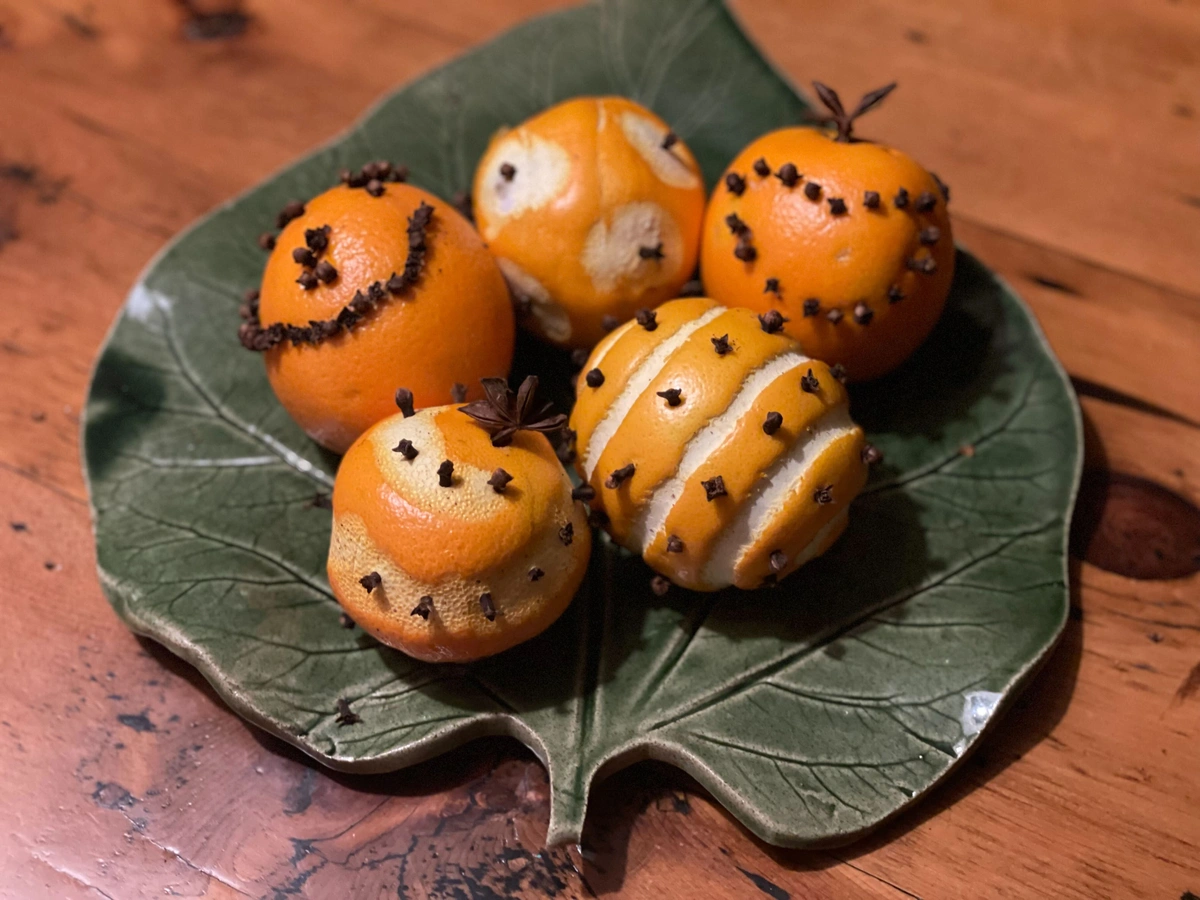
(1070,131)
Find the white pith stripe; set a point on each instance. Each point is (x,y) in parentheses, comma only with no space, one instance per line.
(610,253)
(819,538)
(608,343)
(780,481)
(636,385)
(543,167)
(706,441)
(645,135)
(417,480)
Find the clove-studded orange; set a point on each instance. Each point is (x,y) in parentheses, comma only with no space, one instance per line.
(593,209)
(372,285)
(850,240)
(715,447)
(455,535)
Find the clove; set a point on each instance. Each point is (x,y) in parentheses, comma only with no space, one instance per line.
(617,476)
(499,481)
(673,396)
(714,488)
(772,321)
(404,400)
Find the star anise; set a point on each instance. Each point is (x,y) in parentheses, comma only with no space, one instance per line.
(845,120)
(503,413)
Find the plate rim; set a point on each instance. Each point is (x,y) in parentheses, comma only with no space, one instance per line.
(502,724)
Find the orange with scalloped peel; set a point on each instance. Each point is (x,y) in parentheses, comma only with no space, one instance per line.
(849,240)
(717,449)
(448,547)
(449,324)
(593,209)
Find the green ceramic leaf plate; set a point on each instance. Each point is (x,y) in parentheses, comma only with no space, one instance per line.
(813,712)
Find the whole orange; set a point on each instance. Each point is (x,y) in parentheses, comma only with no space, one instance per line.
(437,336)
(849,240)
(593,209)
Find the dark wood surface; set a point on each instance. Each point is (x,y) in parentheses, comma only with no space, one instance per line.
(1069,130)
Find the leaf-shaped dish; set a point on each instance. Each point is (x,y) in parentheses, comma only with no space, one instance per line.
(814,711)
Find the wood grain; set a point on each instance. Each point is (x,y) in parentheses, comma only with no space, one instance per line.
(124,777)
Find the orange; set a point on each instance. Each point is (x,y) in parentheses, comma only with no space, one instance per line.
(849,240)
(454,325)
(593,209)
(718,450)
(411,560)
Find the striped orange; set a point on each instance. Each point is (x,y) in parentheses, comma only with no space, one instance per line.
(784,491)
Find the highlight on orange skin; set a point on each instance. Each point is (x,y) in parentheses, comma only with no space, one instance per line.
(455,325)
(867,263)
(593,209)
(392,516)
(717,495)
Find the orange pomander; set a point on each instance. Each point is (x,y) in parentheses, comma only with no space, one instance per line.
(593,209)
(849,240)
(453,541)
(715,448)
(373,287)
